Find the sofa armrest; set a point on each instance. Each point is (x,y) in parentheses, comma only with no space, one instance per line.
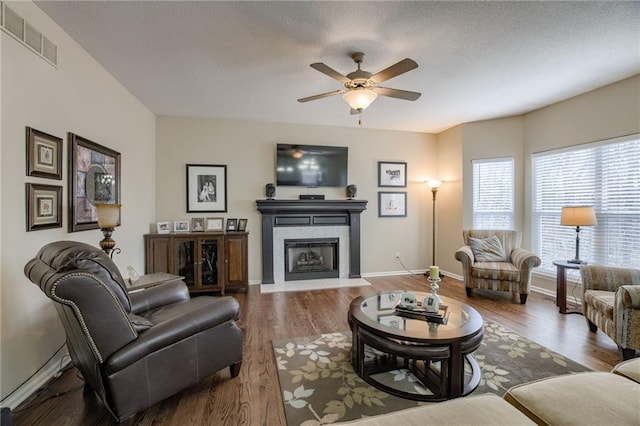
(144,299)
(465,255)
(628,296)
(206,313)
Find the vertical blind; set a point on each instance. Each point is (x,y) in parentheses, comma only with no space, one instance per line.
(493,187)
(605,175)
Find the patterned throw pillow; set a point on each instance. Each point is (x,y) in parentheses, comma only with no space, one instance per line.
(487,249)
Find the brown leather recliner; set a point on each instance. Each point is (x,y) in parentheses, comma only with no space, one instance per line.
(134,349)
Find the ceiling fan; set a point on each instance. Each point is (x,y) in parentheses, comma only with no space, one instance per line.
(361,87)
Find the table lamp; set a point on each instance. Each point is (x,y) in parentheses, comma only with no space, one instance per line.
(578,216)
(108,218)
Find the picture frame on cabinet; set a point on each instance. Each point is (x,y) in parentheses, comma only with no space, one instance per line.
(94,177)
(232,225)
(44,206)
(197,224)
(242,225)
(44,154)
(214,224)
(163,227)
(206,188)
(392,174)
(181,226)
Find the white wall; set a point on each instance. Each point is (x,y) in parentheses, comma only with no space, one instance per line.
(78,96)
(248,149)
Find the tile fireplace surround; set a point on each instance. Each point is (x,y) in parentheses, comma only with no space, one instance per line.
(335,216)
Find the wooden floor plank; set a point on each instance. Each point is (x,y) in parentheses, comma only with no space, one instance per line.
(253,398)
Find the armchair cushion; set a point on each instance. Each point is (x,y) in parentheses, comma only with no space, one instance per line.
(487,249)
(503,271)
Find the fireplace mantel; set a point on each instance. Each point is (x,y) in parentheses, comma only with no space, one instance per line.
(310,213)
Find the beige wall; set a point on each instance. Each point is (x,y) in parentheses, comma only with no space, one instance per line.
(81,97)
(248,150)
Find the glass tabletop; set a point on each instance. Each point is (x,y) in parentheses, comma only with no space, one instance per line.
(380,312)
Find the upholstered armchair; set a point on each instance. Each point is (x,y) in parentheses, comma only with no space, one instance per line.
(611,302)
(493,260)
(134,349)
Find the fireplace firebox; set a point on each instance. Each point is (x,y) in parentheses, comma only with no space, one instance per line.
(312,258)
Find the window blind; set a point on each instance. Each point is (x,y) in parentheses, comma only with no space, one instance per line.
(493,187)
(605,175)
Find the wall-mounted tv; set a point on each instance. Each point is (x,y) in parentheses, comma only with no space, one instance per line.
(311,165)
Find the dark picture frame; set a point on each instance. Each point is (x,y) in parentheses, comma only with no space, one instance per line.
(197,224)
(232,225)
(206,188)
(44,206)
(94,177)
(44,154)
(242,225)
(392,174)
(392,204)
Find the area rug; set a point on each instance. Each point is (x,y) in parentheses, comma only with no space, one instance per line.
(319,385)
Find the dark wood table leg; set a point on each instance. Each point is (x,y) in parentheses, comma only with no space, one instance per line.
(561,291)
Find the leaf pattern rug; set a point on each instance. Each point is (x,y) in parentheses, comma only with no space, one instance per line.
(319,385)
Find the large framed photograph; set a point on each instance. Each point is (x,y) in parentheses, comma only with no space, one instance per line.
(206,188)
(392,204)
(94,177)
(44,155)
(44,206)
(392,174)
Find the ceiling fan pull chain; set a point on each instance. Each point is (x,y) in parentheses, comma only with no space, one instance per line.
(360,118)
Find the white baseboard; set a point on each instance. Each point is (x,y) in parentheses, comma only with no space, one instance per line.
(42,377)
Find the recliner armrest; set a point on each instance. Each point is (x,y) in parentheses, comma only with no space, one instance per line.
(206,313)
(158,295)
(520,257)
(465,254)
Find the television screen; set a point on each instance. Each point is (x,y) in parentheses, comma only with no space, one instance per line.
(311,165)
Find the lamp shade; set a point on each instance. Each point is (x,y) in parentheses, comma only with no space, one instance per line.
(359,99)
(434,184)
(578,216)
(108,215)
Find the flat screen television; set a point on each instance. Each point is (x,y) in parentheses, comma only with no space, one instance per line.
(311,165)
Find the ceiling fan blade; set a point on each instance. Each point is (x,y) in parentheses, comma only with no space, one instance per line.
(321,95)
(394,70)
(396,93)
(330,72)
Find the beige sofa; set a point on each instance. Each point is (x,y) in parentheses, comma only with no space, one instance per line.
(593,398)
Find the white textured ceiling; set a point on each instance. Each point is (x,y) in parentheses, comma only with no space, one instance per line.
(250,60)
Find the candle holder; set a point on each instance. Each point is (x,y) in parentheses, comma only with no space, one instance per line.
(432,302)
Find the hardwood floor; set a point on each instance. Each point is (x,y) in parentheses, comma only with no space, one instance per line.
(253,398)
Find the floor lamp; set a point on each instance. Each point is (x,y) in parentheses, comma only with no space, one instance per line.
(434,185)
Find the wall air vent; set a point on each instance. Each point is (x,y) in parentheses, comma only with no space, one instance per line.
(14,25)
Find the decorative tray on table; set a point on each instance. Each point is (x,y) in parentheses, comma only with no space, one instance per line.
(440,317)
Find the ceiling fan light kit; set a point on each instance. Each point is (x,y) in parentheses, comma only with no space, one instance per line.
(361,86)
(360,99)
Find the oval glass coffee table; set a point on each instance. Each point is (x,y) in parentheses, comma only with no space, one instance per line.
(436,354)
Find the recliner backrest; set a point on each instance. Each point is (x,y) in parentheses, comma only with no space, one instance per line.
(510,239)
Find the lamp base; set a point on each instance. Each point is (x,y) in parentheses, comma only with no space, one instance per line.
(577,261)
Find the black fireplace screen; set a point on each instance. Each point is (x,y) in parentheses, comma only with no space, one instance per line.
(307,259)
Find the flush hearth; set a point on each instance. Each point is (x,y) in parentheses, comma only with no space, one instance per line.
(308,259)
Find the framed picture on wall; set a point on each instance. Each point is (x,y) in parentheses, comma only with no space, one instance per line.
(94,177)
(44,155)
(392,204)
(392,174)
(44,206)
(206,188)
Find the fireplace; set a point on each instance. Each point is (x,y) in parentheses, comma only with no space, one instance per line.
(308,259)
(298,219)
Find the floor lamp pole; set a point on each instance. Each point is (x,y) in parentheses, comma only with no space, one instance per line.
(434,185)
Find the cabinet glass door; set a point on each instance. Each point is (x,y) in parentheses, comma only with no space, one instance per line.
(186,261)
(209,266)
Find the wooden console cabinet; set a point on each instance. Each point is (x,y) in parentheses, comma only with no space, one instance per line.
(210,261)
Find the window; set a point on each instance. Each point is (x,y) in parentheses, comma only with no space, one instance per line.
(605,175)
(493,193)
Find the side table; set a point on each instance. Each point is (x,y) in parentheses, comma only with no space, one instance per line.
(561,285)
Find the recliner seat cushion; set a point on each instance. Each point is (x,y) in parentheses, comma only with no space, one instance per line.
(502,271)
